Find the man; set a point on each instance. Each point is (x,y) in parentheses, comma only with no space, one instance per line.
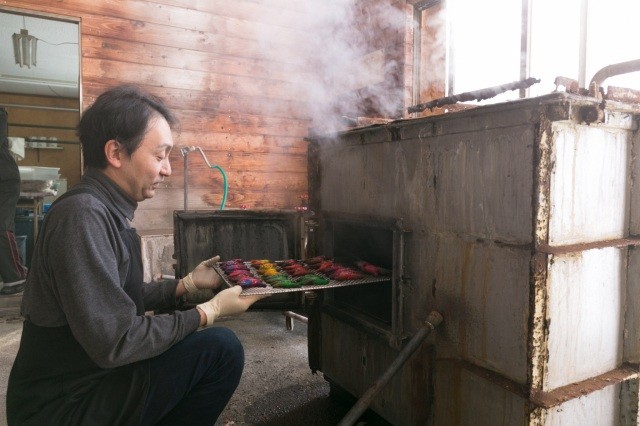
(89,354)
(12,271)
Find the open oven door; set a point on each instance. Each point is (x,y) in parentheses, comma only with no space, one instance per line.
(237,234)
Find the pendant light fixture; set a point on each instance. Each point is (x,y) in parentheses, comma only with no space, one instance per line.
(24,48)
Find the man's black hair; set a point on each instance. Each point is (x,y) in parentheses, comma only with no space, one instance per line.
(123,114)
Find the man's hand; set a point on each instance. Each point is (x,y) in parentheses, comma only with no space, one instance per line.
(203,277)
(228,302)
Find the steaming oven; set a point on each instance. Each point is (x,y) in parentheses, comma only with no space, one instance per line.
(474,214)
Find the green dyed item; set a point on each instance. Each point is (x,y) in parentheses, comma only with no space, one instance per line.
(285,284)
(312,279)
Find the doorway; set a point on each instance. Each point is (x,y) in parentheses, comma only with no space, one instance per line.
(40,91)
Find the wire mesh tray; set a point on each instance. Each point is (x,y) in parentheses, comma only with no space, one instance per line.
(367,279)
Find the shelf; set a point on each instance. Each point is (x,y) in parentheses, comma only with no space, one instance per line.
(43,147)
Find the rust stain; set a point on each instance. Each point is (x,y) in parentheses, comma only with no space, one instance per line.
(572,248)
(537,351)
(576,390)
(623,94)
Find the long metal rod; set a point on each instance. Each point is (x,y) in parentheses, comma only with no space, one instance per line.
(582,50)
(525,44)
(433,320)
(476,95)
(299,317)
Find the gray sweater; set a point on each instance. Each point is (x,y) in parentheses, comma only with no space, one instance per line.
(77,275)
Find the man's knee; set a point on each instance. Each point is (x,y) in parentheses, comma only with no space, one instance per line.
(225,344)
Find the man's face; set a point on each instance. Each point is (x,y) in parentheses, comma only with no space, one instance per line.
(146,168)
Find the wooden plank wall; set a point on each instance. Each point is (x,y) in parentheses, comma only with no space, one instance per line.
(205,59)
(235,74)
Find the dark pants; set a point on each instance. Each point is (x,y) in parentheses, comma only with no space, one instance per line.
(11,265)
(191,383)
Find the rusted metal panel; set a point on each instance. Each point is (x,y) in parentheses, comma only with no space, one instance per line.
(485,290)
(632,308)
(473,120)
(483,184)
(354,360)
(634,222)
(468,397)
(629,403)
(456,183)
(585,311)
(590,169)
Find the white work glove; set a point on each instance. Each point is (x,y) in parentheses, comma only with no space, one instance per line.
(203,277)
(228,302)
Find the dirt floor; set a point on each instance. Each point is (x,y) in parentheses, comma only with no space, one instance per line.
(277,387)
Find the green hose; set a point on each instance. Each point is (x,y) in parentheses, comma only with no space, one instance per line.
(225,186)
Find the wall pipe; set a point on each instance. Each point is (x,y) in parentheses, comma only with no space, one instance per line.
(433,320)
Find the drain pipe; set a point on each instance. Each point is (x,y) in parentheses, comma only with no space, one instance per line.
(433,320)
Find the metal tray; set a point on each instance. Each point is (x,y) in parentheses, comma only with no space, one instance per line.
(272,290)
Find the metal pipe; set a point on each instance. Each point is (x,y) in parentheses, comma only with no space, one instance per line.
(582,50)
(525,44)
(433,320)
(615,69)
(293,315)
(290,316)
(185,150)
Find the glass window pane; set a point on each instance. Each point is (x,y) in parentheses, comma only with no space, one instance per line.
(612,38)
(486,44)
(433,53)
(555,42)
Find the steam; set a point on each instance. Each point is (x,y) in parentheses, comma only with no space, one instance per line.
(344,59)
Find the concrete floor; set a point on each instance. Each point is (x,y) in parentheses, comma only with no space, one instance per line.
(277,387)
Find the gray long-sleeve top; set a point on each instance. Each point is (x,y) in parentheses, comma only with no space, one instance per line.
(77,275)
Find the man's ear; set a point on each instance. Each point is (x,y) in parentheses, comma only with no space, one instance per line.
(113,152)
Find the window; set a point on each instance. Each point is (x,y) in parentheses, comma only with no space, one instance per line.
(466,45)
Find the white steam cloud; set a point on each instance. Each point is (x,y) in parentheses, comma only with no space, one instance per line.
(344,60)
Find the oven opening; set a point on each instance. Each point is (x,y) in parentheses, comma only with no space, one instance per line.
(352,242)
